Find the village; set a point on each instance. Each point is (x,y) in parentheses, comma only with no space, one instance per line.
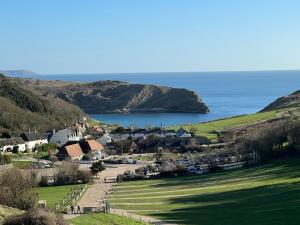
(84,143)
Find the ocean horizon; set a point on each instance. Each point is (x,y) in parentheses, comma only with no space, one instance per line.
(227,94)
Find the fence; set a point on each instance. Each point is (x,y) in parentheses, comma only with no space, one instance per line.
(65,204)
(130,216)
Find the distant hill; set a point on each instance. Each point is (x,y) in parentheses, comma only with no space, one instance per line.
(120,97)
(290,101)
(17,73)
(22,109)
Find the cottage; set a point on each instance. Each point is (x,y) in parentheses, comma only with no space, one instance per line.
(73,152)
(183,133)
(104,139)
(7,145)
(92,146)
(34,139)
(61,137)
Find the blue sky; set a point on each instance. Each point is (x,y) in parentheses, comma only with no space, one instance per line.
(97,36)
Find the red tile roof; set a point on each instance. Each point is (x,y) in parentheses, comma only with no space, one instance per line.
(74,151)
(94,145)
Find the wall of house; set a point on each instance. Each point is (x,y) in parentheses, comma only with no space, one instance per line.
(22,148)
(32,144)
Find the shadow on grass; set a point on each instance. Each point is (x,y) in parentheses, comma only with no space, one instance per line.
(267,205)
(278,169)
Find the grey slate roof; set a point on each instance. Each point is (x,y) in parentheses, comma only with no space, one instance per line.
(32,136)
(12,141)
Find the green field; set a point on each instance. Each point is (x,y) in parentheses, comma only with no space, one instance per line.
(102,219)
(54,194)
(206,129)
(22,163)
(265,195)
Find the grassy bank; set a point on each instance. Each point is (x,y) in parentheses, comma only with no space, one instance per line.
(100,219)
(54,194)
(206,129)
(259,195)
(6,211)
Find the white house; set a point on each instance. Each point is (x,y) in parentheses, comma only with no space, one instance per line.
(34,139)
(7,145)
(104,139)
(61,137)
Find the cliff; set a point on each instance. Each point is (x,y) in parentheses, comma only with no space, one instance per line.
(290,101)
(120,97)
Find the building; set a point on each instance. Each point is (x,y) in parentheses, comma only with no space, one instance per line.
(34,139)
(61,137)
(104,139)
(91,146)
(73,152)
(183,133)
(7,145)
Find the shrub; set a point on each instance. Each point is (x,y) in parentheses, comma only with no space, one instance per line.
(15,149)
(5,159)
(84,176)
(53,158)
(67,173)
(97,167)
(36,217)
(44,182)
(16,188)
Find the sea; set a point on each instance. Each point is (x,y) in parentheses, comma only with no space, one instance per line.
(227,94)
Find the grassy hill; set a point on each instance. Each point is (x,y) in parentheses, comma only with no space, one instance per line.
(290,101)
(208,129)
(101,219)
(264,195)
(22,108)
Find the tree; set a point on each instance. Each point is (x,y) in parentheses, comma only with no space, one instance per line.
(5,159)
(15,149)
(193,131)
(16,189)
(96,168)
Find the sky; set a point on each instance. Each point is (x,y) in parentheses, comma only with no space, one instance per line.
(123,36)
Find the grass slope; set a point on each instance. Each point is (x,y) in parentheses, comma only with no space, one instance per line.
(53,195)
(6,211)
(101,219)
(263,195)
(206,129)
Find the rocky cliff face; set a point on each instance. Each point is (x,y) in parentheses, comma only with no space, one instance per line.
(290,101)
(120,97)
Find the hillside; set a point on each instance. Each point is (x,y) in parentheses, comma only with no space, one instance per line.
(6,211)
(264,195)
(120,97)
(290,101)
(22,109)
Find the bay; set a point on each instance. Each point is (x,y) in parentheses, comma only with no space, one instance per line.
(226,93)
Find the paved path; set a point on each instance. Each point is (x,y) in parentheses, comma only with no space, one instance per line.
(98,192)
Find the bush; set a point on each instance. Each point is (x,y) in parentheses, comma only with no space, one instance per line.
(53,158)
(16,188)
(5,159)
(97,167)
(36,217)
(15,150)
(67,173)
(84,176)
(44,182)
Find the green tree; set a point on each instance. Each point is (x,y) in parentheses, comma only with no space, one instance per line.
(96,168)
